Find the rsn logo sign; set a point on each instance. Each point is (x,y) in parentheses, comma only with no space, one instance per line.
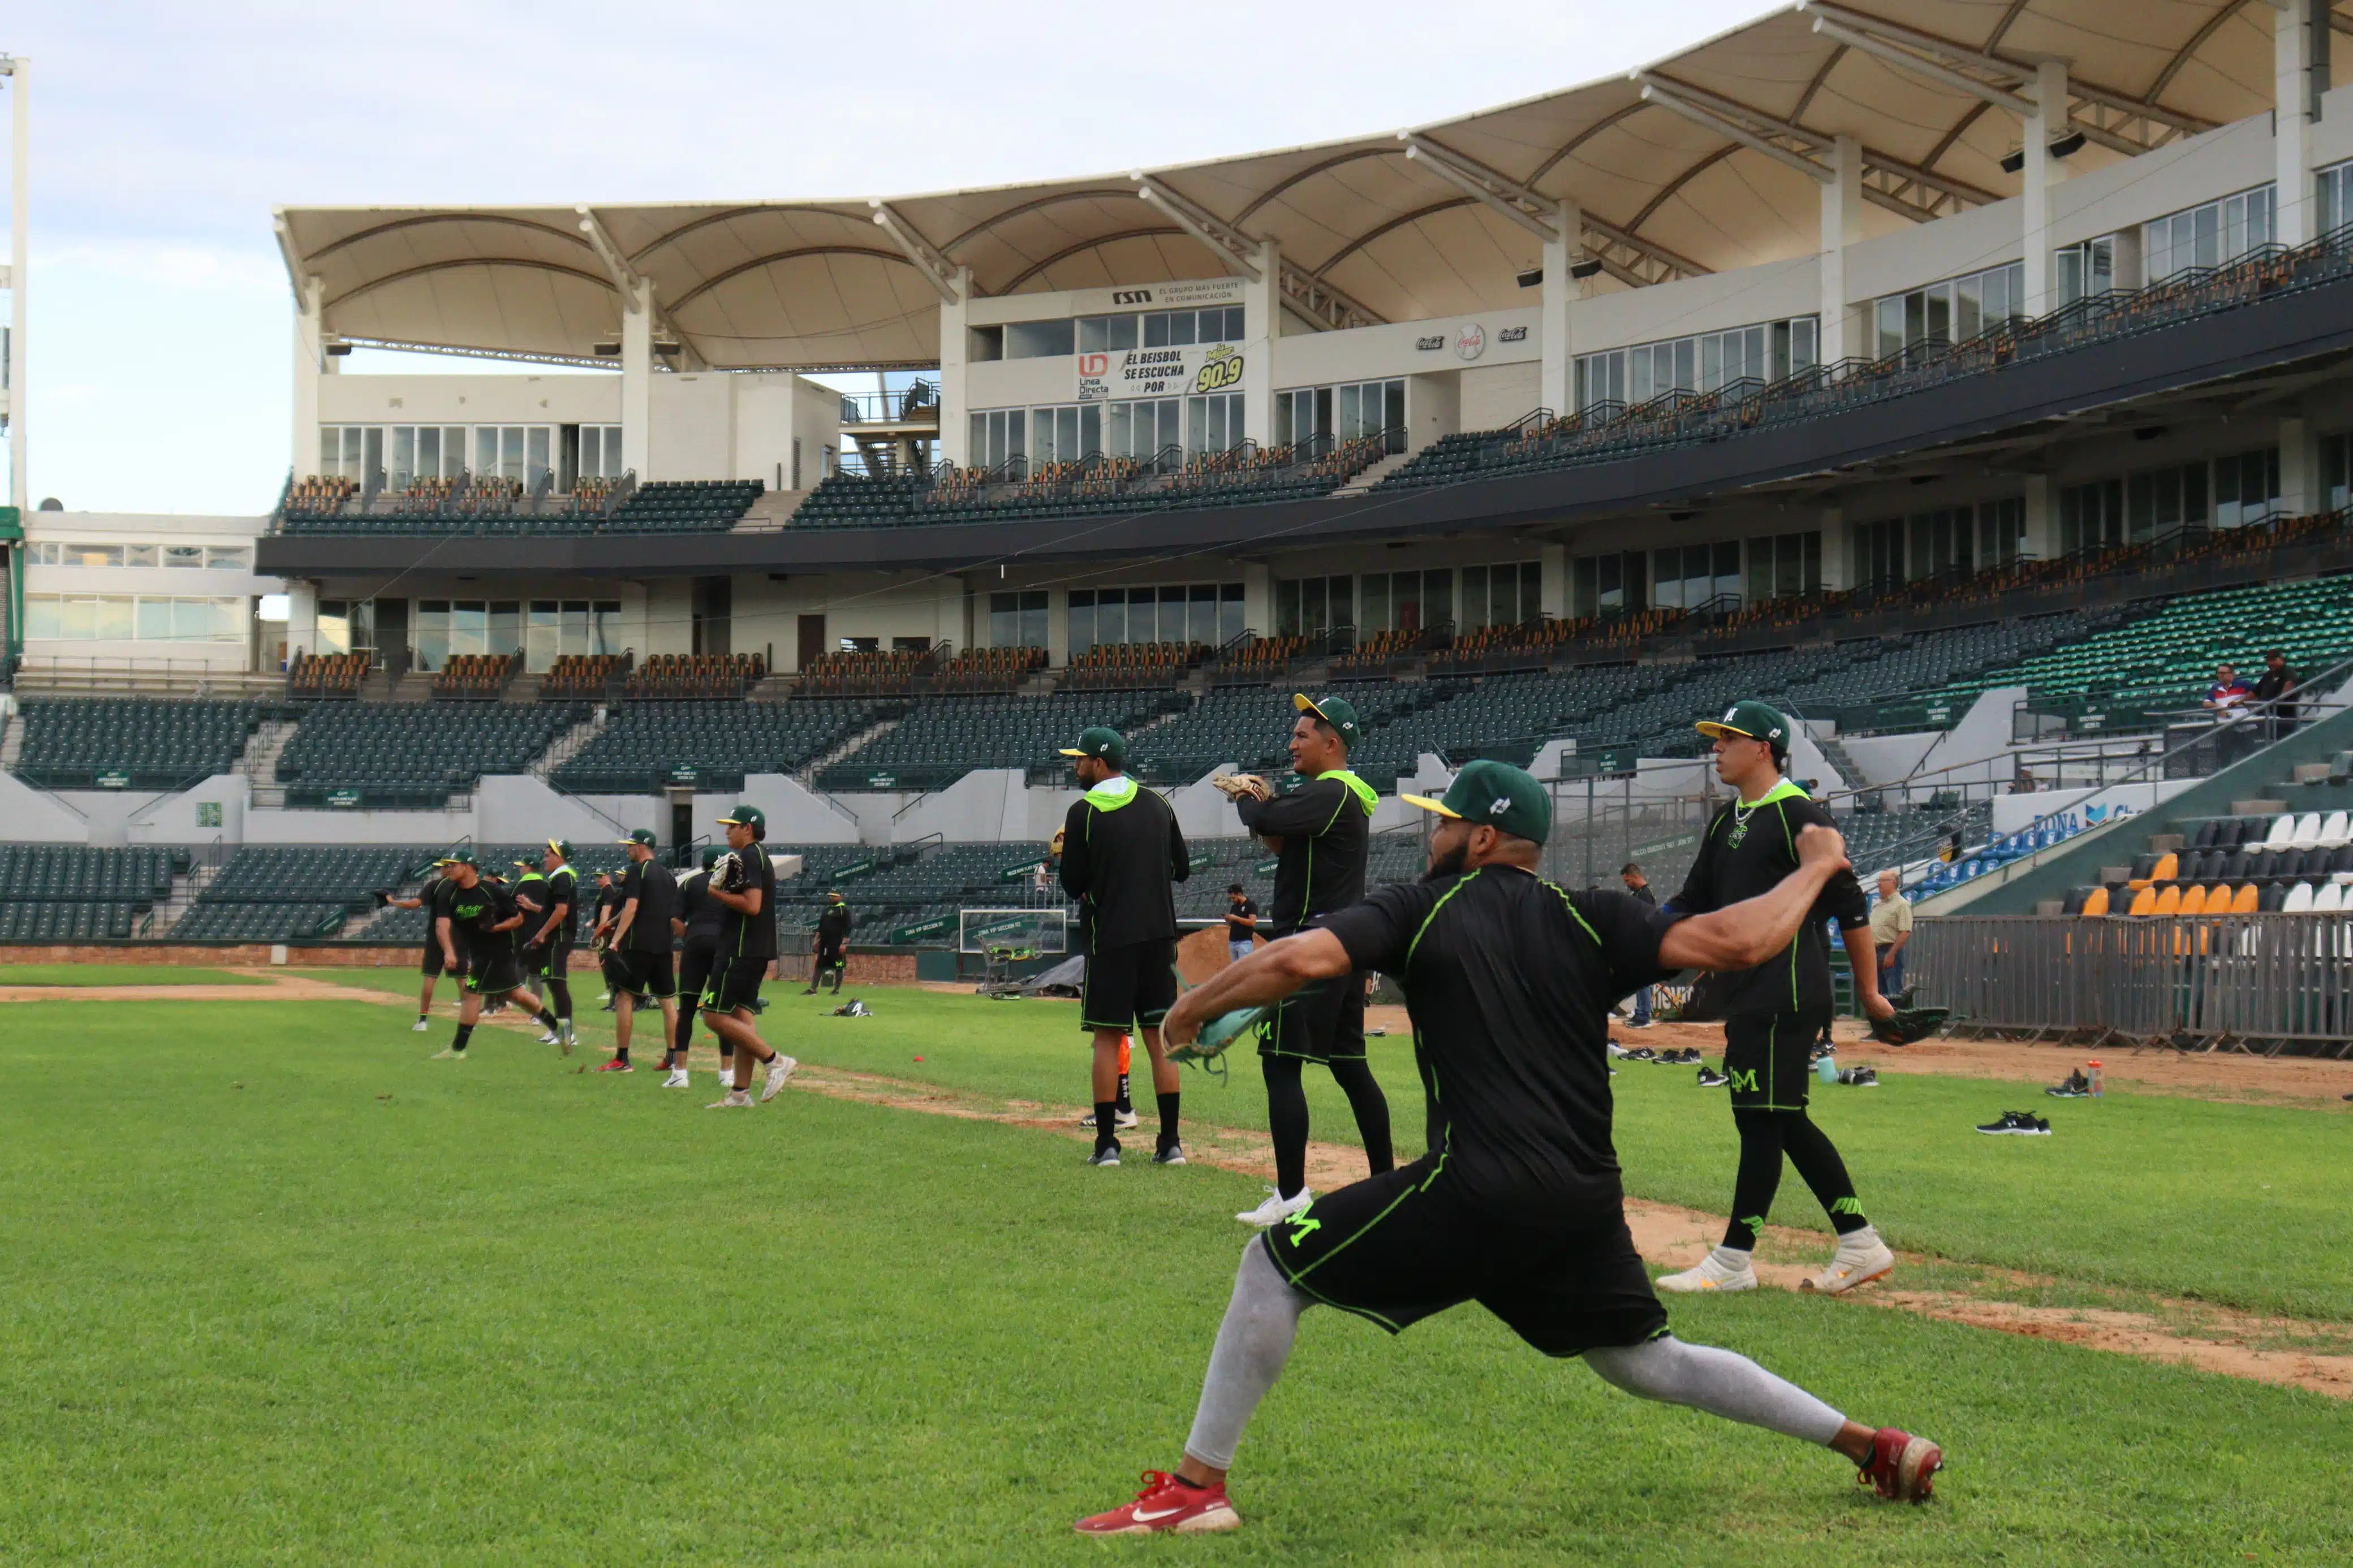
(1131,297)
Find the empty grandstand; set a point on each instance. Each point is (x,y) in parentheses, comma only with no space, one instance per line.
(649,746)
(132,745)
(413,754)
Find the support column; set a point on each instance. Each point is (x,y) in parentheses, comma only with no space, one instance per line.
(638,379)
(1552,564)
(2300,43)
(2044,172)
(956,346)
(2042,541)
(2299,473)
(20,201)
(1838,549)
(1262,326)
(1058,627)
(1258,598)
(1554,334)
(1842,227)
(302,616)
(311,363)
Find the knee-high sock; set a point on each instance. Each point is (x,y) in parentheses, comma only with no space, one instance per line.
(1286,1120)
(559,997)
(1720,1382)
(1759,1176)
(1371,1108)
(1253,1342)
(685,1035)
(1817,1159)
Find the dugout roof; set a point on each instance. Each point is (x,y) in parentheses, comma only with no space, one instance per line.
(1701,162)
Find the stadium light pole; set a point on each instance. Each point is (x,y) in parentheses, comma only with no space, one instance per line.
(16,69)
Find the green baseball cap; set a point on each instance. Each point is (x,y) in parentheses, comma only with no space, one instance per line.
(745,816)
(711,853)
(531,866)
(1750,721)
(644,835)
(460,858)
(563,847)
(1496,794)
(1102,741)
(1336,711)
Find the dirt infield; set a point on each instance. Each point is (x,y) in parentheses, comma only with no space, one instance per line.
(2187,1334)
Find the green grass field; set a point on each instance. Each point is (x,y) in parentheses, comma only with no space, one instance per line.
(285,1292)
(85,974)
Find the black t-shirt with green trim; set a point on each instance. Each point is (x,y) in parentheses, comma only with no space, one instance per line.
(1509,980)
(1746,851)
(1325,826)
(1123,856)
(650,883)
(476,912)
(563,888)
(749,936)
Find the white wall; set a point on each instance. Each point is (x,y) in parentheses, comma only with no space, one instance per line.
(1983,236)
(1772,292)
(1494,396)
(1365,353)
(578,398)
(36,816)
(2133,190)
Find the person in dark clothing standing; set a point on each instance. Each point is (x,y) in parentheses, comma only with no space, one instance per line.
(547,938)
(1122,858)
(1638,886)
(1242,923)
(1519,1204)
(600,935)
(696,921)
(743,884)
(832,942)
(2271,687)
(1774,1011)
(432,898)
(1321,834)
(642,934)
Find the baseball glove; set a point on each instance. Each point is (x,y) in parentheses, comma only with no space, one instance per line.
(1236,785)
(1911,1024)
(727,873)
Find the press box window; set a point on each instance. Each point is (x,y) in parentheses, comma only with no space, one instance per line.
(1018,619)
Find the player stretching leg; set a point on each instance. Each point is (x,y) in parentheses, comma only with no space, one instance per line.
(743,884)
(478,942)
(1518,1206)
(1776,1010)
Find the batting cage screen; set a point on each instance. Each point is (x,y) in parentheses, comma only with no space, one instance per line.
(1032,931)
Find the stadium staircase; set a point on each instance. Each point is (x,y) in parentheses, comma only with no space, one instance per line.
(11,741)
(259,763)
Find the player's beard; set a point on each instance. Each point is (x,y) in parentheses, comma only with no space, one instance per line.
(1450,864)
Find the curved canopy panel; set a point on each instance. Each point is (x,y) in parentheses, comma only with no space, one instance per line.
(1706,160)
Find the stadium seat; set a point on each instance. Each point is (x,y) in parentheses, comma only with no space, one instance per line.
(2298,899)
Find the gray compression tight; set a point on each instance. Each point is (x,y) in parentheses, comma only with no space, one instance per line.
(1720,1382)
(1263,1320)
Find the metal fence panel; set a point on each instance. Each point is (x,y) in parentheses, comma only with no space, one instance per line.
(2258,977)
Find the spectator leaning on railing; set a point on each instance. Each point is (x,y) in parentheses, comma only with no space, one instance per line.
(2227,699)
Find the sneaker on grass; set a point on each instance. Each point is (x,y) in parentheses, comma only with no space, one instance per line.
(733,1099)
(1120,1119)
(1902,1467)
(1861,1259)
(1710,1079)
(1166,1503)
(1106,1155)
(1277,1208)
(1722,1269)
(677,1079)
(447,1054)
(1168,1154)
(780,1068)
(616,1065)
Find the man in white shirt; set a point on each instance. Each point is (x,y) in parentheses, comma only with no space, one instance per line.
(1891,928)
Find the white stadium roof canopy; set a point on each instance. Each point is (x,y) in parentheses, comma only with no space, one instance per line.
(1706,160)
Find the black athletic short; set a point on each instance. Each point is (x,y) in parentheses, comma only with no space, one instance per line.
(734,982)
(1129,987)
(1765,1056)
(694,961)
(1408,1244)
(431,962)
(493,972)
(1324,1023)
(831,958)
(552,961)
(646,975)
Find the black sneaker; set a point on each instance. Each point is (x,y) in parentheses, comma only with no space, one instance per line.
(1858,1078)
(2017,1123)
(1819,1051)
(1641,1054)
(1710,1079)
(1106,1155)
(2003,1125)
(2033,1127)
(2077,1086)
(1169,1155)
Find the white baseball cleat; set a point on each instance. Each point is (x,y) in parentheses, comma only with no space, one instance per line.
(418,1027)
(734,1099)
(1277,1208)
(1722,1269)
(677,1079)
(550,1037)
(780,1068)
(1861,1259)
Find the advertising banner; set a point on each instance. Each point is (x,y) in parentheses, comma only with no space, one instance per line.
(1122,373)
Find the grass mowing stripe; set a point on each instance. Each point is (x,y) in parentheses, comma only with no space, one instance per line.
(91,974)
(512,1313)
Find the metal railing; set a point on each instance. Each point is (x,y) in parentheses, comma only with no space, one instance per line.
(2261,982)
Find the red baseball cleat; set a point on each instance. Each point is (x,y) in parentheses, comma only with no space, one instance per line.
(616,1065)
(1902,1467)
(1166,1503)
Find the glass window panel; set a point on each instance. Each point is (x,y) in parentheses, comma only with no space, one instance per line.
(428,452)
(184,556)
(139,555)
(1111,616)
(535,457)
(371,455)
(1201,613)
(230,558)
(1229,616)
(112,618)
(403,455)
(350,467)
(1373,589)
(331,451)
(154,624)
(469,627)
(1156,330)
(605,624)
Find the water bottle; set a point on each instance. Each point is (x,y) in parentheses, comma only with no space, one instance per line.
(1827,1069)
(2094,1073)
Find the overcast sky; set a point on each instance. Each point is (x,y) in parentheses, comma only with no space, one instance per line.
(162,135)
